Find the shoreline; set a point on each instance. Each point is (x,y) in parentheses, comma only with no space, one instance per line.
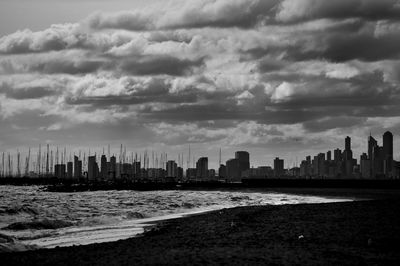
(366,232)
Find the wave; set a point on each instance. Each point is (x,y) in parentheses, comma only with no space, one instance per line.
(38,224)
(19,209)
(135,215)
(10,244)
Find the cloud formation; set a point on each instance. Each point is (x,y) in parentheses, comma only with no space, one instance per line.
(218,72)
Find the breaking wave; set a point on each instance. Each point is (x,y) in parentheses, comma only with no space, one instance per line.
(39,224)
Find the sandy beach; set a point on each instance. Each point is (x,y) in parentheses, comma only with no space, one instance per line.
(351,233)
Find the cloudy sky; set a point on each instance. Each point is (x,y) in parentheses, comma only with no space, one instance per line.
(282,78)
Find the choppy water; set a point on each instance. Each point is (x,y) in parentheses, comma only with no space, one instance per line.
(47,219)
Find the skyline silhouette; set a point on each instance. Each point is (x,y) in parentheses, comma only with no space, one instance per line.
(377,161)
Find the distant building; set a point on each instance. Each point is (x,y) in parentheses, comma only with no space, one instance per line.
(202,168)
(365,166)
(77,167)
(244,160)
(233,170)
(211,174)
(103,167)
(259,172)
(191,173)
(69,170)
(222,171)
(92,168)
(112,168)
(278,167)
(172,169)
(59,170)
(388,153)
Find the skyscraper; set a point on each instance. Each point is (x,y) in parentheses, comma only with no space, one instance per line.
(77,167)
(202,168)
(348,153)
(69,170)
(172,169)
(103,167)
(388,152)
(92,168)
(278,167)
(233,170)
(244,161)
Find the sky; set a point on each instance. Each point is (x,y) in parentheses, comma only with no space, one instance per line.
(285,78)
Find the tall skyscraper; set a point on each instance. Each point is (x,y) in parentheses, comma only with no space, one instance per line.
(388,152)
(103,167)
(233,170)
(278,167)
(113,168)
(244,161)
(92,168)
(69,170)
(172,169)
(202,168)
(77,167)
(348,153)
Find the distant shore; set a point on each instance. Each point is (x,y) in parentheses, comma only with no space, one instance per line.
(350,233)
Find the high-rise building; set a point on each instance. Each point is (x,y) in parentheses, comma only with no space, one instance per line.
(365,166)
(222,171)
(92,168)
(172,169)
(103,167)
(77,167)
(337,155)
(202,168)
(69,170)
(388,153)
(348,154)
(233,170)
(112,170)
(278,167)
(328,156)
(372,144)
(244,160)
(60,170)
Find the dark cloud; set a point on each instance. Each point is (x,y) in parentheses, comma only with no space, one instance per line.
(156,65)
(26,93)
(67,66)
(304,10)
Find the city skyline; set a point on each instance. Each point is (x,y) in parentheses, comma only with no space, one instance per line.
(376,161)
(276,78)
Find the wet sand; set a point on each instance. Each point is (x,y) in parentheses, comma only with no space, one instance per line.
(349,233)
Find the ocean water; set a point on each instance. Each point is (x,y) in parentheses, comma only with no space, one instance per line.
(35,218)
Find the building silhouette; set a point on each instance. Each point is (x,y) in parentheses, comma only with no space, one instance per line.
(69,170)
(233,170)
(77,168)
(243,158)
(278,167)
(388,153)
(202,168)
(172,169)
(93,168)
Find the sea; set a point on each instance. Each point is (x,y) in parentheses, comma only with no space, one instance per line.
(31,217)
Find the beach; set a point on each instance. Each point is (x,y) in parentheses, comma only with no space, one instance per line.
(365,232)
